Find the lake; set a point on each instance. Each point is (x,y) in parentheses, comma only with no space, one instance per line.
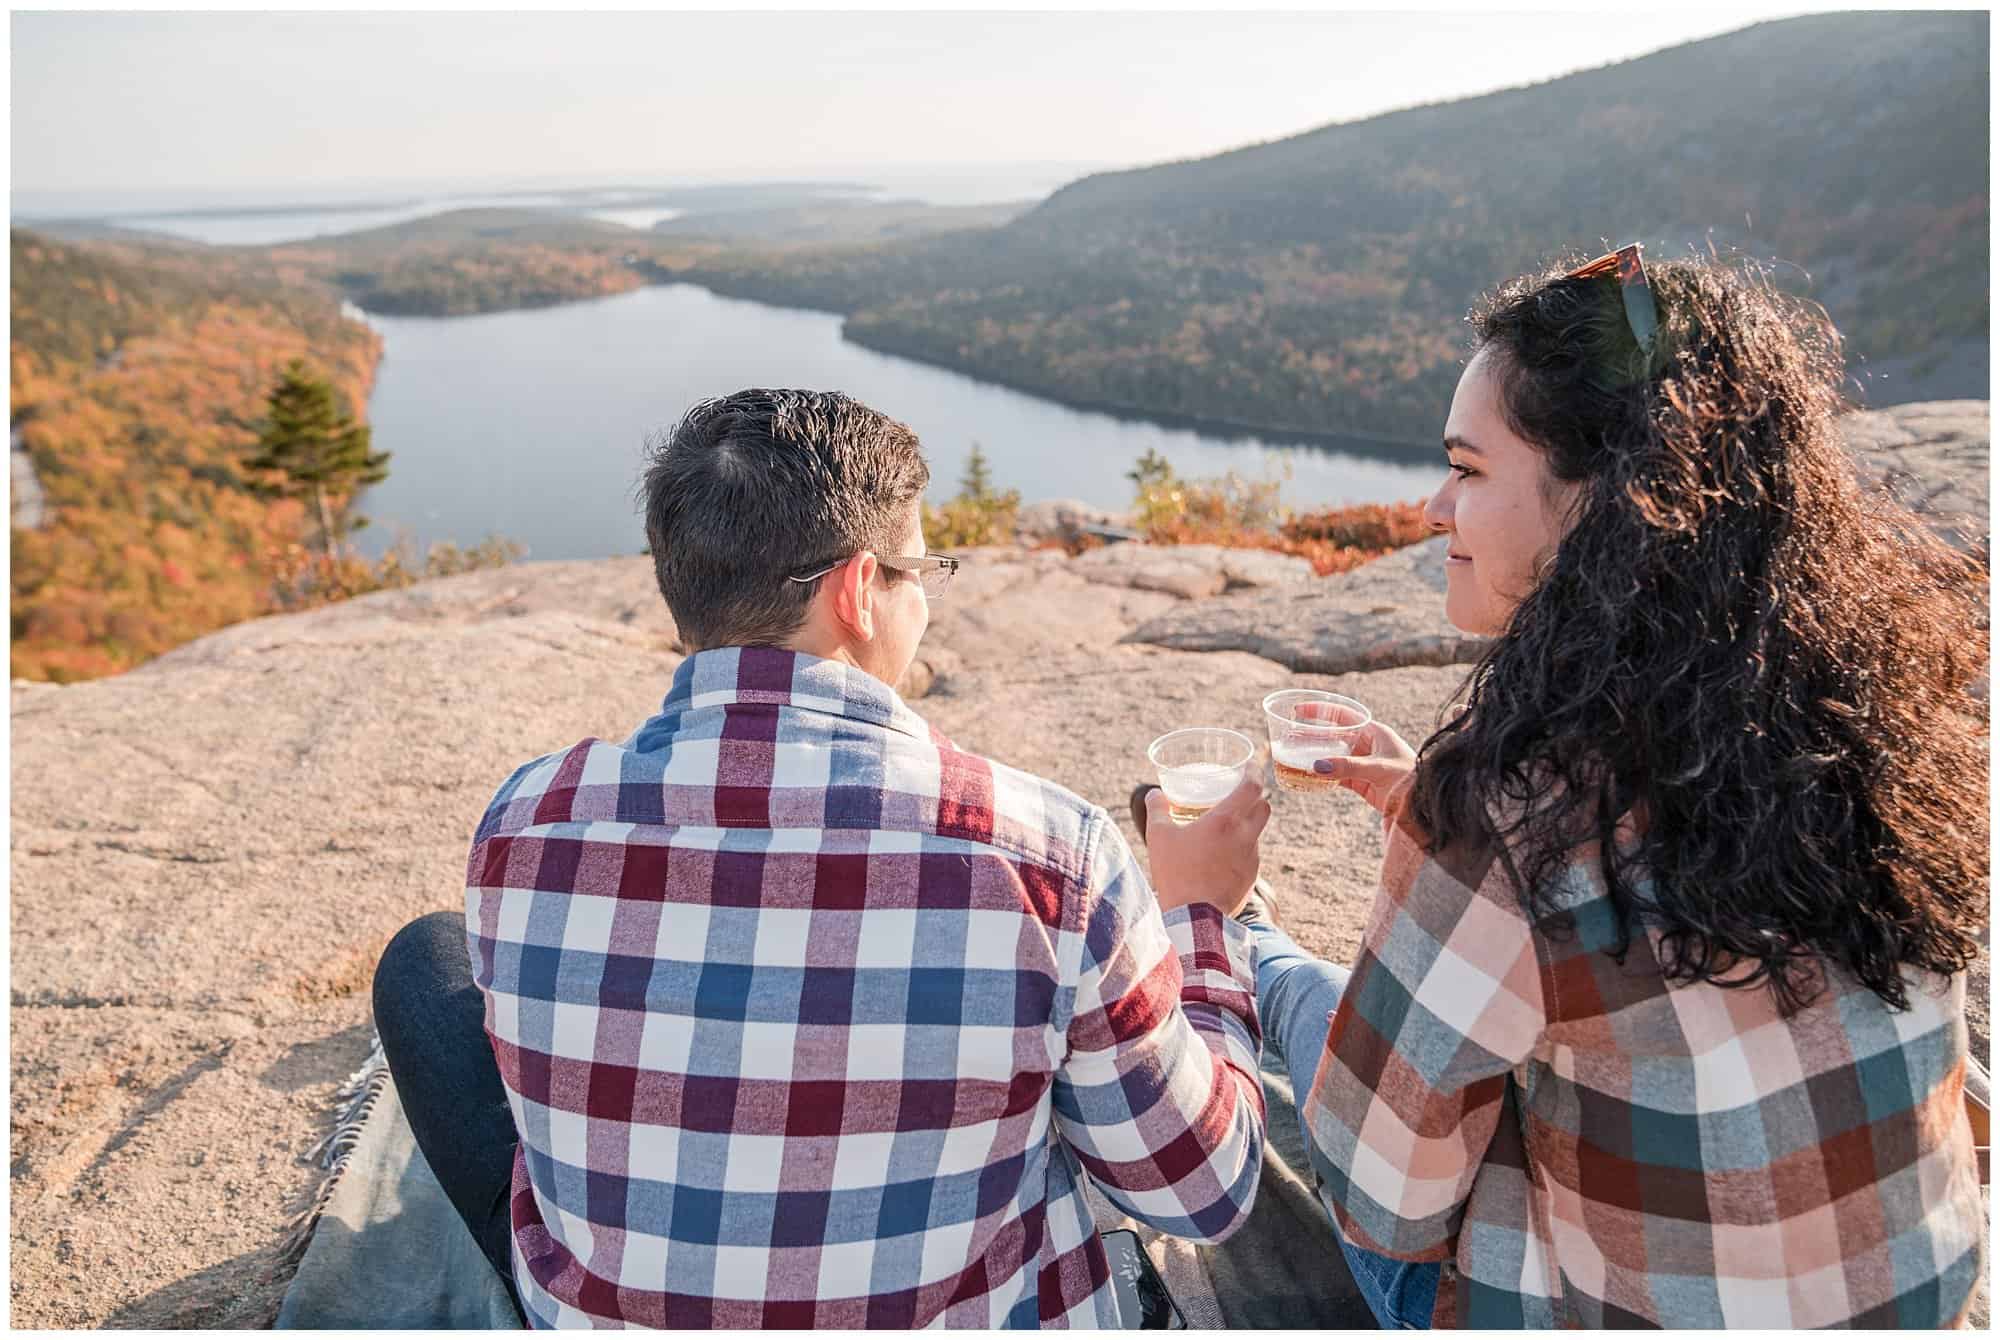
(533,424)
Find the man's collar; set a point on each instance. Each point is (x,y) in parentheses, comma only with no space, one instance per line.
(725,675)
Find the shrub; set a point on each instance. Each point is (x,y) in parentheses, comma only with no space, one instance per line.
(1241,513)
(446,559)
(979,515)
(303,579)
(1362,526)
(1228,510)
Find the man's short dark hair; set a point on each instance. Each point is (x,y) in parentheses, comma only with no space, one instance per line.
(752,488)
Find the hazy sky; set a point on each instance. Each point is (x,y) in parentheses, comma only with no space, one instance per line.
(164,101)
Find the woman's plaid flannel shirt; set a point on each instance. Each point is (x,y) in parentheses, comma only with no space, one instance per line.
(1582,1145)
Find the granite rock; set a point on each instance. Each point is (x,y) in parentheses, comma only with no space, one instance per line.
(1932,457)
(1381,615)
(1192,571)
(1062,519)
(1936,459)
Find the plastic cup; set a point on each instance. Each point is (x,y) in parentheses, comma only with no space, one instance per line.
(1306,726)
(1199,767)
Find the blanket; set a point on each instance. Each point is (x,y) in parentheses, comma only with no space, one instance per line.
(386,1250)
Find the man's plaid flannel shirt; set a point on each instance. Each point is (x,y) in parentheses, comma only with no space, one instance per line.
(809,1019)
(1582,1144)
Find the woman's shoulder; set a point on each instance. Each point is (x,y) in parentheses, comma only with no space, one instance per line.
(1503,857)
(1442,887)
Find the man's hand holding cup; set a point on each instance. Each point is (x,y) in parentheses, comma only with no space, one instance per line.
(1212,860)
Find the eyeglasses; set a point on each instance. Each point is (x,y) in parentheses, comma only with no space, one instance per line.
(933,570)
(1642,313)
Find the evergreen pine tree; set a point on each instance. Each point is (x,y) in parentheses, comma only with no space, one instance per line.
(320,451)
(977,485)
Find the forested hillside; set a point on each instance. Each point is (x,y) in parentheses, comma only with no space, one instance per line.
(139,376)
(1318,282)
(837,221)
(471,260)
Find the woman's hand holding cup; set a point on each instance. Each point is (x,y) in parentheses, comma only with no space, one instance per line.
(1376,765)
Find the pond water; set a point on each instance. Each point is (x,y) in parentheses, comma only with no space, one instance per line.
(533,424)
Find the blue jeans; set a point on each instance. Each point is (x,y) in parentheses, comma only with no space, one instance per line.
(432,1021)
(1295,995)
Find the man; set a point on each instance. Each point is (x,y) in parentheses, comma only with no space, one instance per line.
(802,1016)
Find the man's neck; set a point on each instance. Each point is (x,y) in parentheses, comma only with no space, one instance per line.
(827,649)
(776,671)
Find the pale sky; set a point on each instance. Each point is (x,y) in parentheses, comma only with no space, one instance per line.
(318,101)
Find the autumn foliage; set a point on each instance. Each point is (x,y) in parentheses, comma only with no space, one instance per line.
(139,380)
(1341,538)
(978,514)
(1240,513)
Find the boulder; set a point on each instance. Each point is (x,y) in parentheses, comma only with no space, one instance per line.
(1192,571)
(1932,457)
(930,668)
(1062,519)
(1383,614)
(1936,459)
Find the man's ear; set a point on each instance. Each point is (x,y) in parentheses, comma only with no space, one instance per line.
(854,595)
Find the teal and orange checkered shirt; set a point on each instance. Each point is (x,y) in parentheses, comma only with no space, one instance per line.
(1582,1145)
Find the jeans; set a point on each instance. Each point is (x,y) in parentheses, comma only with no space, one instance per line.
(1296,994)
(432,1021)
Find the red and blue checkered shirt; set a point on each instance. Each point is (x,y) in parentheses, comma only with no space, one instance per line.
(808,1019)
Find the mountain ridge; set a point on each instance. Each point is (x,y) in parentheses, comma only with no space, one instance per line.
(1318,282)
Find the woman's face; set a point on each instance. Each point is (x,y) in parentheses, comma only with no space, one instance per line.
(1504,512)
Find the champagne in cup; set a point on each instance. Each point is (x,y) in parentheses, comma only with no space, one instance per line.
(1198,768)
(1306,726)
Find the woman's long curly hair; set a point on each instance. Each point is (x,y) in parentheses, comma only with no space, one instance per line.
(1733,644)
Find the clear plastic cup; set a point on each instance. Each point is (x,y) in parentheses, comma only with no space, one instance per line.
(1199,767)
(1306,726)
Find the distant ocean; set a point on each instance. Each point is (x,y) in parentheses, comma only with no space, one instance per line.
(268,215)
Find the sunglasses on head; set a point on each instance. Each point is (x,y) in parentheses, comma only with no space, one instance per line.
(1642,313)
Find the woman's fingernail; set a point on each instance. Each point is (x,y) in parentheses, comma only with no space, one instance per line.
(1323,766)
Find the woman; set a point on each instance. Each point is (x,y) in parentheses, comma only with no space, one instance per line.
(1659,1017)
